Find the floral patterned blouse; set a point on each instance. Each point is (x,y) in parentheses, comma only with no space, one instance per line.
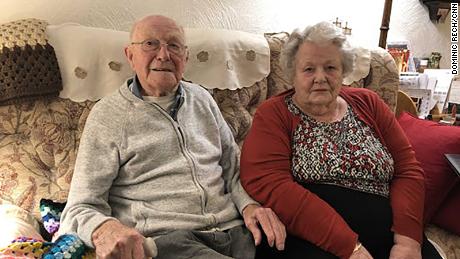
(345,153)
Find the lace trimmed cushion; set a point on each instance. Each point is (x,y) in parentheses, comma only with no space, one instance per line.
(92,60)
(226,59)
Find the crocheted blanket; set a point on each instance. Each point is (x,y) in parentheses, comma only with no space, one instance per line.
(65,246)
(28,64)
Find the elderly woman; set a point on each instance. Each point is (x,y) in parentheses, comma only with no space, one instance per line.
(333,162)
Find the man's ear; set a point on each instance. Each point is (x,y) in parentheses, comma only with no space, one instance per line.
(129,56)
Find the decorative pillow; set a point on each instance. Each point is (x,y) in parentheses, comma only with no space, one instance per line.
(431,141)
(28,65)
(447,215)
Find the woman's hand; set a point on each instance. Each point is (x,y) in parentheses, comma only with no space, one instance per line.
(405,248)
(361,253)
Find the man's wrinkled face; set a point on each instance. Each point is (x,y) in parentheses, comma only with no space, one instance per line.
(157,54)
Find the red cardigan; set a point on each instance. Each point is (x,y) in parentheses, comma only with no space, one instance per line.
(266,173)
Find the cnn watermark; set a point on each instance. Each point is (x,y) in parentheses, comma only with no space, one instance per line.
(454,38)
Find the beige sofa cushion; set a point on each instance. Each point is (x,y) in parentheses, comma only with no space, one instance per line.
(38,144)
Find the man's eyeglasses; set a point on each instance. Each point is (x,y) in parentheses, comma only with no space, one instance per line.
(155,45)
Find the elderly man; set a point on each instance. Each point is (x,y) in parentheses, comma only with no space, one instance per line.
(157,159)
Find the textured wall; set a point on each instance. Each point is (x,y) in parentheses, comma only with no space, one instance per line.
(409,20)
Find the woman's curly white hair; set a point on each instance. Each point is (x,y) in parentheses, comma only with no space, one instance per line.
(319,33)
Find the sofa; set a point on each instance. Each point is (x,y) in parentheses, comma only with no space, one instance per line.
(51,76)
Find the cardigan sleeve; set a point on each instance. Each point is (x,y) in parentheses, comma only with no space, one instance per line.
(407,190)
(266,176)
(96,167)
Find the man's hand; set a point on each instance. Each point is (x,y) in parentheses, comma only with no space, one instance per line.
(405,248)
(114,240)
(270,223)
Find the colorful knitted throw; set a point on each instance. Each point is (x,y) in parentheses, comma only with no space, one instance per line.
(24,247)
(51,214)
(65,247)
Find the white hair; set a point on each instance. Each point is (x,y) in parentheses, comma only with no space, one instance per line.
(320,33)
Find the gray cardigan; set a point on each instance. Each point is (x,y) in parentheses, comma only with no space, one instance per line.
(138,165)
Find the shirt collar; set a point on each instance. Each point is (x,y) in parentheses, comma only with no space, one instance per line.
(135,86)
